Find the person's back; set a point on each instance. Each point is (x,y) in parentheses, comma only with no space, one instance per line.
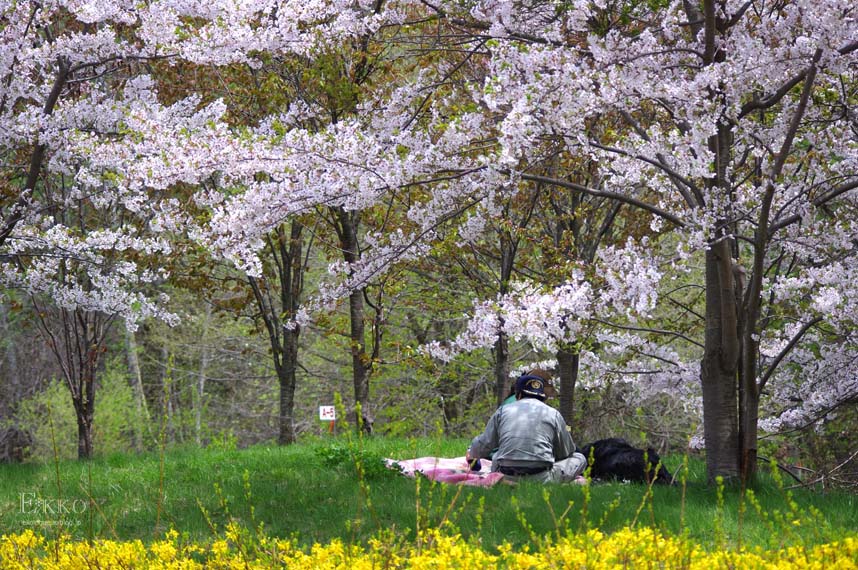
(529,432)
(530,438)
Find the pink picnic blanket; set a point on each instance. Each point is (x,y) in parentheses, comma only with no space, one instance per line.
(448,470)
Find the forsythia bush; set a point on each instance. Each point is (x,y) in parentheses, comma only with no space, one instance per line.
(435,550)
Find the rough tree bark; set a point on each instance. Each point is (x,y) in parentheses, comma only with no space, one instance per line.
(567,370)
(720,366)
(722,349)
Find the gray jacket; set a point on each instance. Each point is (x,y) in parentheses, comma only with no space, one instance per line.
(526,433)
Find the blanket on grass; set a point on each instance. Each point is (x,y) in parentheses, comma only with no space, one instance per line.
(447,470)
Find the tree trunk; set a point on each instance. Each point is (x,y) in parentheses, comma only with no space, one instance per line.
(85,407)
(76,339)
(501,368)
(722,348)
(347,228)
(449,388)
(567,364)
(501,348)
(749,410)
(360,364)
(288,382)
(287,254)
(749,392)
(137,386)
(200,388)
(291,289)
(17,212)
(451,414)
(84,435)
(719,367)
(199,393)
(167,395)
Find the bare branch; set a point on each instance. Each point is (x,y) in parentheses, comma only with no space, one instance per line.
(786,350)
(606,194)
(38,155)
(648,330)
(822,200)
(797,116)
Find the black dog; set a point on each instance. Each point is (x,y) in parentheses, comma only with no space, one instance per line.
(615,458)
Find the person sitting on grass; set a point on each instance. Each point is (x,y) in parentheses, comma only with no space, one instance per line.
(530,439)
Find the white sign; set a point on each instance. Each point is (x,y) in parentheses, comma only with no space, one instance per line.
(327,413)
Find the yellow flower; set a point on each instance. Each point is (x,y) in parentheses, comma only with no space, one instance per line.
(220,548)
(164,550)
(233,532)
(437,550)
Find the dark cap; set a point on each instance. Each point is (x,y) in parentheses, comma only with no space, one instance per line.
(531,385)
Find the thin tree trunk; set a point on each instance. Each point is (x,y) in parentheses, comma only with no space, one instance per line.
(749,391)
(749,410)
(88,337)
(85,407)
(200,388)
(137,387)
(347,228)
(292,268)
(84,433)
(501,367)
(76,339)
(451,414)
(567,364)
(288,382)
(360,366)
(16,213)
(167,394)
(287,254)
(501,347)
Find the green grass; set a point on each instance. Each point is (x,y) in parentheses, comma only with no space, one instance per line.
(297,491)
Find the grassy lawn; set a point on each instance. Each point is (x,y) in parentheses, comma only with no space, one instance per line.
(312,493)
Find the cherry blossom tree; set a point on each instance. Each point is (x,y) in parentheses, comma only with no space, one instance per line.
(738,134)
(84,227)
(77,244)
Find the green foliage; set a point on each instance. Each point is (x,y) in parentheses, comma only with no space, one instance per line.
(239,396)
(224,441)
(357,461)
(334,455)
(50,417)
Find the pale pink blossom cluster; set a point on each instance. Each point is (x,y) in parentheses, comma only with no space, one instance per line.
(88,272)
(816,379)
(547,318)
